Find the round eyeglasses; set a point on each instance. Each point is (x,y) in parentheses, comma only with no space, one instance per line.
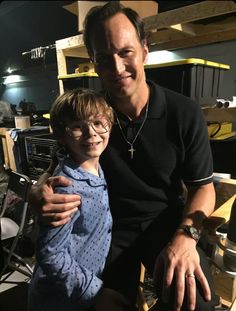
(99,126)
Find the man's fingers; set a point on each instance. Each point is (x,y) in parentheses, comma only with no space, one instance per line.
(58,223)
(191,290)
(167,281)
(180,289)
(59,216)
(58,181)
(204,284)
(60,207)
(57,219)
(60,202)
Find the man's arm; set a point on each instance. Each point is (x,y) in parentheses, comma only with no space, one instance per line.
(180,257)
(51,208)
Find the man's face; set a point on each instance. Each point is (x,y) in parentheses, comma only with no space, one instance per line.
(119,57)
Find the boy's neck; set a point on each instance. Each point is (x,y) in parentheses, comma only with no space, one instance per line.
(90,165)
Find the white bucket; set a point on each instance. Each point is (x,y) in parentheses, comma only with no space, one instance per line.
(22,122)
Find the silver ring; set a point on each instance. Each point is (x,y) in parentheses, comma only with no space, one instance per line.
(190,275)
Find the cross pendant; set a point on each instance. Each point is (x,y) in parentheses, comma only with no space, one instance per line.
(131,150)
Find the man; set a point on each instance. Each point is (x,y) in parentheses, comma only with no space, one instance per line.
(159,142)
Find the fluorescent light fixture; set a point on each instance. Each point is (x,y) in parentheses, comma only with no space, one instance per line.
(160,57)
(13,79)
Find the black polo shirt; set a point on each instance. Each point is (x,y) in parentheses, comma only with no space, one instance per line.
(172,146)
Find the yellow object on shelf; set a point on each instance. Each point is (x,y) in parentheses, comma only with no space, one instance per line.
(224,136)
(46,116)
(189,61)
(85,67)
(77,75)
(218,129)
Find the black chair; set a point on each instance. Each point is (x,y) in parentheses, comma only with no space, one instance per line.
(13,217)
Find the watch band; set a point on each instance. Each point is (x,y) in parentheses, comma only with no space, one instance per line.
(191,231)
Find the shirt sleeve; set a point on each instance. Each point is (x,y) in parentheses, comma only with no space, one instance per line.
(54,258)
(198,164)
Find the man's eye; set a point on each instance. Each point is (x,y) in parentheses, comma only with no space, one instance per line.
(126,53)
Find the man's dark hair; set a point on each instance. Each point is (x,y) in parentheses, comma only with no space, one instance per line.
(99,14)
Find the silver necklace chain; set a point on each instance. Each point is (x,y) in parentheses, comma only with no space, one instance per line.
(132,150)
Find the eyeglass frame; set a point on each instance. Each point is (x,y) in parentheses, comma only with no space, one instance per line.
(106,127)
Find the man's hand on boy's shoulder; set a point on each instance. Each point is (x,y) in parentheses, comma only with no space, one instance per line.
(52,208)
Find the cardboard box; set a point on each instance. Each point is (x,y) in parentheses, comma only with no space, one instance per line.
(81,8)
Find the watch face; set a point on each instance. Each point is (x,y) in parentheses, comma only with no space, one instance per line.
(191,231)
(194,233)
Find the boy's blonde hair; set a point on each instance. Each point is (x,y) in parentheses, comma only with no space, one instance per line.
(77,104)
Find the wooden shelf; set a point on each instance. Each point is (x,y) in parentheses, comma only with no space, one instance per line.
(197,24)
(77,75)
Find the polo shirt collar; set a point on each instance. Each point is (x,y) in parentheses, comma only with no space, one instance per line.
(76,172)
(157,104)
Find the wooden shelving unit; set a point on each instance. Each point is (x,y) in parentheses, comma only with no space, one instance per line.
(197,24)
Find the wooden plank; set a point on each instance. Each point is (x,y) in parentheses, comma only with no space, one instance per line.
(220,216)
(189,13)
(228,23)
(193,41)
(70,42)
(182,31)
(233,306)
(184,28)
(4,147)
(10,150)
(219,114)
(162,36)
(72,46)
(225,287)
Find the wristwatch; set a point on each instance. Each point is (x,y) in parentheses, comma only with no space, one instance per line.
(191,231)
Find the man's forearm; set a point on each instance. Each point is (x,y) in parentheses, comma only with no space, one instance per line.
(200,204)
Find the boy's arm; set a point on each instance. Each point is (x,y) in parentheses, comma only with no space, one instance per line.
(54,258)
(51,208)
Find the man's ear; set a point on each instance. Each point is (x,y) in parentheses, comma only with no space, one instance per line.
(145,51)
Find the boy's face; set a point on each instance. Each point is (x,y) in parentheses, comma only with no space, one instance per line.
(87,139)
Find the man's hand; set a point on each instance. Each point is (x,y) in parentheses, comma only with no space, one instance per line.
(180,262)
(109,299)
(51,208)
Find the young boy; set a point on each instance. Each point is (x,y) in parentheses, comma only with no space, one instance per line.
(71,258)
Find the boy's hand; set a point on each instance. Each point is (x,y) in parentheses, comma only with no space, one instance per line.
(52,208)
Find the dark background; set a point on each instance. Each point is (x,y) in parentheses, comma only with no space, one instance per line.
(25,25)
